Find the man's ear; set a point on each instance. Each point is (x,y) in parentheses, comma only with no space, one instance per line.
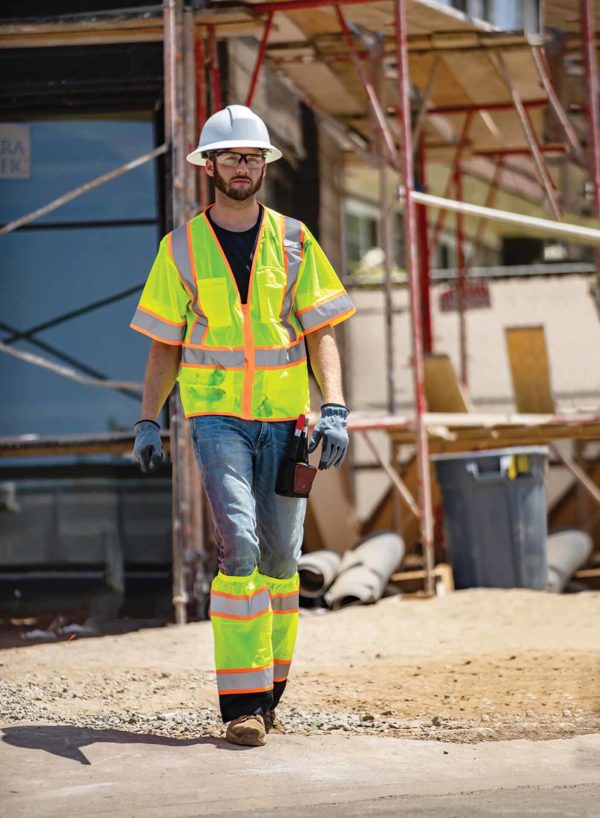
(210,171)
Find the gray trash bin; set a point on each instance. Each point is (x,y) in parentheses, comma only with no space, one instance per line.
(494,505)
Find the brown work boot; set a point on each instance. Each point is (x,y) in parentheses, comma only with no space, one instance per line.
(247,730)
(273,722)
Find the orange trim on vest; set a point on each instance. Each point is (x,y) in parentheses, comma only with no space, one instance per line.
(235,415)
(295,287)
(154,337)
(318,304)
(285,265)
(250,364)
(220,349)
(161,318)
(331,322)
(183,284)
(188,235)
(276,346)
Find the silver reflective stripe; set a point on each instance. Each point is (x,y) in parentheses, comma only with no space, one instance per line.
(281,671)
(294,253)
(240,607)
(235,681)
(216,358)
(325,312)
(161,329)
(285,604)
(181,257)
(281,357)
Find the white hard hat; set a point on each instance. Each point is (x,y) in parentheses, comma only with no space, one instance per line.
(234,127)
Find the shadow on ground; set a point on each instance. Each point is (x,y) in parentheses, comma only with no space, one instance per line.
(66,740)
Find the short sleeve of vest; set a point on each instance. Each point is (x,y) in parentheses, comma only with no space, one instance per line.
(320,298)
(161,312)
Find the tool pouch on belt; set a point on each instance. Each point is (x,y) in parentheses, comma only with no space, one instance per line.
(295,477)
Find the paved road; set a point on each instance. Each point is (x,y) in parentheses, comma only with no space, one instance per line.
(56,771)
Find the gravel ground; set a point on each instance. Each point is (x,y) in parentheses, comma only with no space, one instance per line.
(472,666)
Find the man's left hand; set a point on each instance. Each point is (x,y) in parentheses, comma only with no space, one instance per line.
(332,428)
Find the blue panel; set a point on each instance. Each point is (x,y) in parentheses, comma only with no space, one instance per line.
(46,273)
(70,152)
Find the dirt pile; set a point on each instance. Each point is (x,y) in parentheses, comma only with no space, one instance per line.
(471,666)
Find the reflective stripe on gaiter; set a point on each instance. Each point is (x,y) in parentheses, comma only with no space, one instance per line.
(213,358)
(181,256)
(326,311)
(285,603)
(281,357)
(239,607)
(244,681)
(294,252)
(281,670)
(159,327)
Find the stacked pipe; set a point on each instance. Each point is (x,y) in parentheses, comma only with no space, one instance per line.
(360,576)
(567,552)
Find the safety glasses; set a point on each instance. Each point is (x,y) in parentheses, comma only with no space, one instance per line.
(232,159)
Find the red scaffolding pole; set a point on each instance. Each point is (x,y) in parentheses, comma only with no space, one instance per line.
(259,59)
(537,153)
(369,89)
(460,147)
(461,283)
(588,30)
(410,241)
(213,67)
(424,255)
(201,111)
(490,199)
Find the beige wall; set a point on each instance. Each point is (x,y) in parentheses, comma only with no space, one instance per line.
(563,305)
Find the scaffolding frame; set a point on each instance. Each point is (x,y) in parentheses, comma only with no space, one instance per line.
(396,155)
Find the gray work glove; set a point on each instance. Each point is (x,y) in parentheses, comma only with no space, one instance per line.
(332,428)
(147,449)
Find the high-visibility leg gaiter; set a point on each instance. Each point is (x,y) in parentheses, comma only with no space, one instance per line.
(242,620)
(285,604)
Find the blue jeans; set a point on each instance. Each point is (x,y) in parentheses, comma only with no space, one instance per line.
(239,460)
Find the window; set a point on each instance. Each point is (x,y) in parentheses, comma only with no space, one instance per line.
(510,15)
(94,248)
(362,225)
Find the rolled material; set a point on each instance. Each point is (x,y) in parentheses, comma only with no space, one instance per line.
(317,571)
(567,552)
(365,571)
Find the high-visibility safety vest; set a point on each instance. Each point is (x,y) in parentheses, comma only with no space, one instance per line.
(246,360)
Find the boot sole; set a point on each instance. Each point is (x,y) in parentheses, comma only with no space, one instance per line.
(246,741)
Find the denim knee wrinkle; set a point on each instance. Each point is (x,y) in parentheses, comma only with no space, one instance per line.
(239,460)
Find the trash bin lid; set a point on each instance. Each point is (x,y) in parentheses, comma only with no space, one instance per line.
(513,450)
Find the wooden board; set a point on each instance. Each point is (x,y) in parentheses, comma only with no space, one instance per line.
(530,369)
(332,512)
(443,390)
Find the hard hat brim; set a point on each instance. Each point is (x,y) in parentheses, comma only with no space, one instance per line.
(196,157)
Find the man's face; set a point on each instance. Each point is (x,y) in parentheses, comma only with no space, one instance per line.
(238,181)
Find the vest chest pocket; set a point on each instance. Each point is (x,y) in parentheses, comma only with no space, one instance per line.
(215,301)
(270,286)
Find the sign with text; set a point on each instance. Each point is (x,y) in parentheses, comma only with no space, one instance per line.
(477,296)
(15,151)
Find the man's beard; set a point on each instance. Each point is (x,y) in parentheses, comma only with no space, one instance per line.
(238,192)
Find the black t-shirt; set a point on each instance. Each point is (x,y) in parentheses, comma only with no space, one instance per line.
(239,251)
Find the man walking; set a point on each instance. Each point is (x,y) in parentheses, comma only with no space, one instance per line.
(234,299)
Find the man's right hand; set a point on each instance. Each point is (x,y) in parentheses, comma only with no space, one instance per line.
(147,448)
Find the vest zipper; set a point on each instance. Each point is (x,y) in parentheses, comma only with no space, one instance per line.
(250,364)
